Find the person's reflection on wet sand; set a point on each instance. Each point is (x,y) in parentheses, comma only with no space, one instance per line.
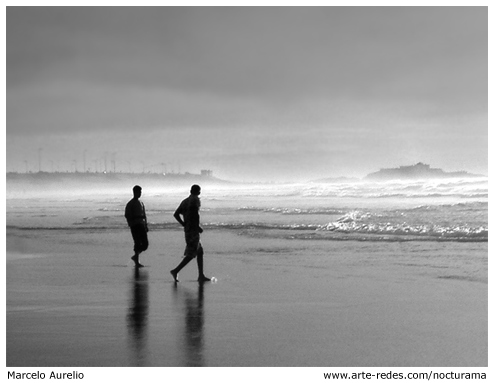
(194,323)
(137,316)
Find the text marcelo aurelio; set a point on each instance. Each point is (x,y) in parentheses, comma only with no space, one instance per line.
(73,375)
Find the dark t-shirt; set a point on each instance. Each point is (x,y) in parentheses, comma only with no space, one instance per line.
(135,212)
(189,209)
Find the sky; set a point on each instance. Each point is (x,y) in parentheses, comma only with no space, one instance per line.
(251,93)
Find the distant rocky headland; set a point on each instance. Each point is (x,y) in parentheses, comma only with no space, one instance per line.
(418,171)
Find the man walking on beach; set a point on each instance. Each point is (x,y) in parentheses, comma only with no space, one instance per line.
(136,219)
(189,210)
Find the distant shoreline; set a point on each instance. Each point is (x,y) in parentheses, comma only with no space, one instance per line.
(419,171)
(109,176)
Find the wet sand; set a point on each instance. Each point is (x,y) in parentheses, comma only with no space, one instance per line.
(74,299)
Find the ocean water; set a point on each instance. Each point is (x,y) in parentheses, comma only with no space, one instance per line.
(309,274)
(448,218)
(441,210)
(406,211)
(453,210)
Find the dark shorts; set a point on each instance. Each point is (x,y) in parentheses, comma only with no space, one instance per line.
(140,237)
(193,245)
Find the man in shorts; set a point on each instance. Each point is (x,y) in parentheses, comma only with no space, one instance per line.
(135,215)
(189,210)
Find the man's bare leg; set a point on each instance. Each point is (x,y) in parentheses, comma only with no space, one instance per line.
(135,258)
(201,275)
(175,272)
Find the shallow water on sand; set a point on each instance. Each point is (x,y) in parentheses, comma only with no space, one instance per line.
(79,302)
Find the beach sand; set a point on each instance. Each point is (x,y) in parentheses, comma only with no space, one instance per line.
(74,299)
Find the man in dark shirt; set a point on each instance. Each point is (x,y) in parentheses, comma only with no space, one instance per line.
(136,219)
(189,210)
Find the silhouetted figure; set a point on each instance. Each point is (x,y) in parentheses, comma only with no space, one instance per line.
(189,210)
(136,218)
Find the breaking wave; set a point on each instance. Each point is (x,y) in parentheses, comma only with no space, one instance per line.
(430,231)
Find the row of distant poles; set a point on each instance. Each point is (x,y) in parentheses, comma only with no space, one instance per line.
(104,164)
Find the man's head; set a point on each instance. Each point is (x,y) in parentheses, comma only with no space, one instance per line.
(195,190)
(137,191)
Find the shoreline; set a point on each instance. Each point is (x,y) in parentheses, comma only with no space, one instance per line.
(276,303)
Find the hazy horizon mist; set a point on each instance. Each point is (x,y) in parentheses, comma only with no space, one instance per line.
(251,93)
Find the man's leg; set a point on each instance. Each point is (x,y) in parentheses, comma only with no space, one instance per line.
(199,256)
(137,236)
(175,272)
(189,255)
(143,243)
(144,239)
(135,258)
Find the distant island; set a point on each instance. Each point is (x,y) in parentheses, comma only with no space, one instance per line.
(418,171)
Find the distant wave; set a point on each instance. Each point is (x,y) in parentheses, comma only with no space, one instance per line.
(464,206)
(291,211)
(394,194)
(460,206)
(475,195)
(428,195)
(259,226)
(110,209)
(457,188)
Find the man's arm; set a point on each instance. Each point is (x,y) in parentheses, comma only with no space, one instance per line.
(145,219)
(128,213)
(178,217)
